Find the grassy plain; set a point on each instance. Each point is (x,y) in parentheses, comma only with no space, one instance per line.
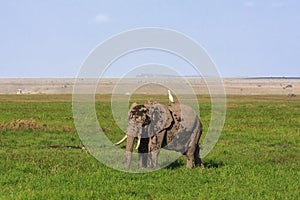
(256,157)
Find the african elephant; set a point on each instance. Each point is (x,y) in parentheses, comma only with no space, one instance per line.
(173,127)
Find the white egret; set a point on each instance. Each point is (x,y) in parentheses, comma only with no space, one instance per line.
(171,99)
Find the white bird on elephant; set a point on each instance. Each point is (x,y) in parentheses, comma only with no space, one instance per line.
(171,99)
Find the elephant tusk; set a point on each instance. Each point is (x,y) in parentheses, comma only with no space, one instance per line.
(138,142)
(121,141)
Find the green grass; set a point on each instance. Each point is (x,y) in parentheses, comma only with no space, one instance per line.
(256,157)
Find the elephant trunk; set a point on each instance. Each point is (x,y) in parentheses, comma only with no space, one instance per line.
(129,148)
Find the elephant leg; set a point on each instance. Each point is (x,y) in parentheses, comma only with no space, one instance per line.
(143,160)
(153,160)
(190,157)
(143,152)
(194,150)
(155,144)
(197,159)
(129,148)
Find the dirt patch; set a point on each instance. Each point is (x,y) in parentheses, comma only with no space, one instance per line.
(282,106)
(232,106)
(67,128)
(250,106)
(23,124)
(67,146)
(2,126)
(30,124)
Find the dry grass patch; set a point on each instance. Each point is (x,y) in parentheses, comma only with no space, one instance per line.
(24,124)
(232,106)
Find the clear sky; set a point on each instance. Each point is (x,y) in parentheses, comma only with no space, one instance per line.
(51,38)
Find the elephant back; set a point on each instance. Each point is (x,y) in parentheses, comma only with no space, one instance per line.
(184,116)
(161,118)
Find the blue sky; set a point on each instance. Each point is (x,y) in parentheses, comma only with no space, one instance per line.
(52,38)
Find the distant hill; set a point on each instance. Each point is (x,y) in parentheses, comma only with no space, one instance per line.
(274,78)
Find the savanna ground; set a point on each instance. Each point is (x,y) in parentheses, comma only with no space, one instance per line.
(256,157)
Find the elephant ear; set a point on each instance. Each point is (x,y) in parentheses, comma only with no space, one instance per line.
(131,107)
(160,117)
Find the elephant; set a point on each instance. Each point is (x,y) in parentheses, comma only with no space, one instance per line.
(173,127)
